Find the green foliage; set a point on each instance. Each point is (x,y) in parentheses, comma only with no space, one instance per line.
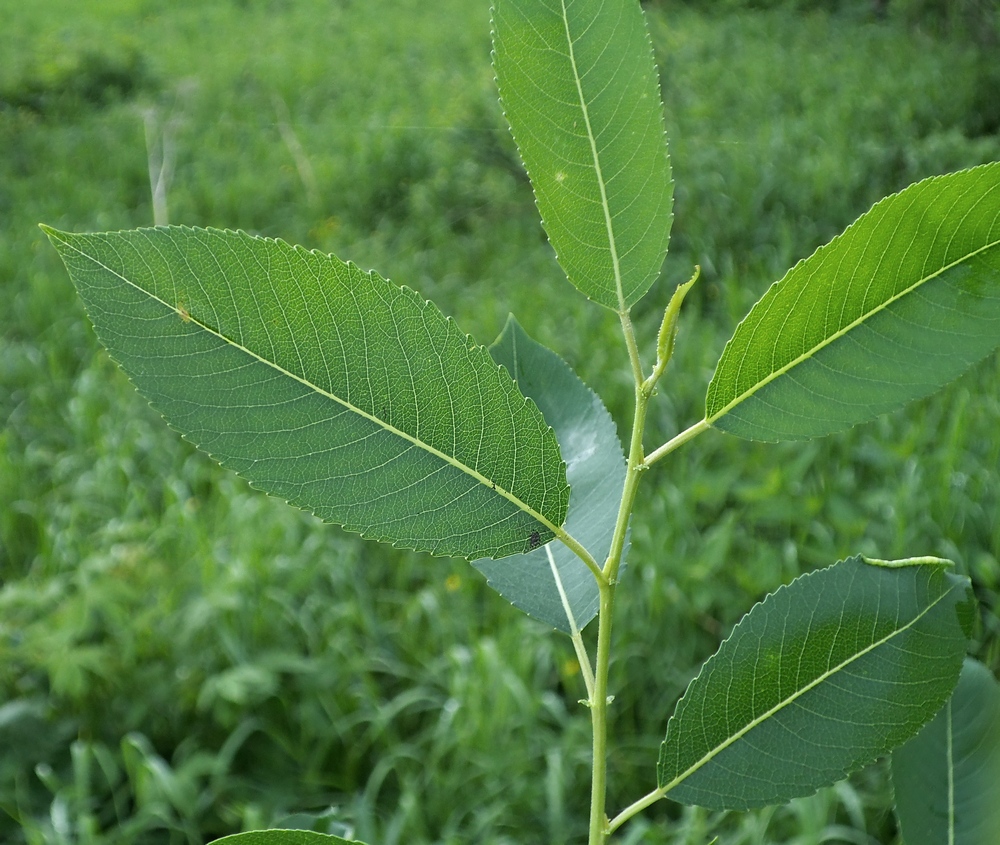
(423,438)
(77,79)
(282,837)
(945,778)
(821,678)
(143,575)
(977,21)
(781,134)
(899,305)
(296,365)
(579,89)
(595,470)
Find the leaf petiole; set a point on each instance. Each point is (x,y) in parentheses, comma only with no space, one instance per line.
(635,808)
(675,442)
(586,669)
(581,552)
(633,348)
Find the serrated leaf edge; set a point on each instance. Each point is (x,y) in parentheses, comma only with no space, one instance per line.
(664,789)
(623,307)
(710,419)
(187,317)
(599,175)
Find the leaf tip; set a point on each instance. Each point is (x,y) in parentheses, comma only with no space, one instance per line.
(52,234)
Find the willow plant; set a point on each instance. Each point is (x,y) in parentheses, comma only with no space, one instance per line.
(359,401)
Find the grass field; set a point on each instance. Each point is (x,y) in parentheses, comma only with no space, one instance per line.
(182,657)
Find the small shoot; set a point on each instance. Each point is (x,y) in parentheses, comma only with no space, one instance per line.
(667,336)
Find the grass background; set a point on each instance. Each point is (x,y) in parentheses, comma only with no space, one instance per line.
(181,657)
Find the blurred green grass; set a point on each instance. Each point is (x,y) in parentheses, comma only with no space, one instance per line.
(181,657)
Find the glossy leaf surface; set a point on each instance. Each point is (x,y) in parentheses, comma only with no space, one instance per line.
(819,679)
(283,837)
(325,385)
(580,91)
(947,778)
(595,469)
(901,303)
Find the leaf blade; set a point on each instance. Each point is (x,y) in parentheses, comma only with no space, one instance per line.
(595,470)
(283,837)
(901,303)
(592,138)
(802,724)
(326,386)
(945,778)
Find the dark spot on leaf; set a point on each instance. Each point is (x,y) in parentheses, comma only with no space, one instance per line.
(534,541)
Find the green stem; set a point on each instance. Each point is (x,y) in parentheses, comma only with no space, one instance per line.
(600,698)
(599,719)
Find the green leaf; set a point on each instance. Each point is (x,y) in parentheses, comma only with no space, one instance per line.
(325,385)
(595,469)
(901,303)
(283,837)
(819,679)
(580,91)
(947,778)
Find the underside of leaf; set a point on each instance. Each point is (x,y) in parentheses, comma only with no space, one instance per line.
(552,583)
(326,386)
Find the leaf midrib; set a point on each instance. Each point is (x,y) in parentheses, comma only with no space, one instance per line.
(608,224)
(747,394)
(187,316)
(950,766)
(714,752)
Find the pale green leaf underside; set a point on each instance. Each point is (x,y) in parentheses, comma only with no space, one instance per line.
(819,679)
(580,90)
(947,778)
(901,303)
(283,837)
(595,469)
(325,385)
